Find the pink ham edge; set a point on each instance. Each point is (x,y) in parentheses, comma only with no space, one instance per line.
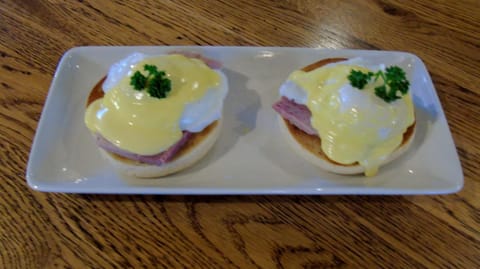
(165,156)
(157,159)
(296,114)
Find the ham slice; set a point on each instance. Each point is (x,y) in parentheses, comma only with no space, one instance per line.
(296,114)
(157,159)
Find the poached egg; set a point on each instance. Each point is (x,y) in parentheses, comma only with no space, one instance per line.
(355,126)
(139,123)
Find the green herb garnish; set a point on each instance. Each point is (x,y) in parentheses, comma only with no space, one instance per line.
(394,81)
(138,81)
(156,83)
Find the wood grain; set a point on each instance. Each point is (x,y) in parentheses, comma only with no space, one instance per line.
(48,230)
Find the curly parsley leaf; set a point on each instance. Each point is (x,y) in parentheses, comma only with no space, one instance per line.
(396,79)
(138,81)
(395,83)
(151,69)
(358,79)
(159,86)
(156,83)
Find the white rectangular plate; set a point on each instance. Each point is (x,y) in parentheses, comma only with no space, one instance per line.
(250,157)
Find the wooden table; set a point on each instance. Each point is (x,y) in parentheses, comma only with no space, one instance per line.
(48,230)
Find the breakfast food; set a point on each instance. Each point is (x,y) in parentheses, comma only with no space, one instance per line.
(155,115)
(347,116)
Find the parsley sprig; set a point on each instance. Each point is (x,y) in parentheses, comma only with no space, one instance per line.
(394,79)
(156,83)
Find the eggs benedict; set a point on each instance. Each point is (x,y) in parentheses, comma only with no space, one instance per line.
(347,116)
(155,115)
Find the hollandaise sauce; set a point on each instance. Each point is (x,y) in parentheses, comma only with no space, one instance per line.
(354,125)
(139,123)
